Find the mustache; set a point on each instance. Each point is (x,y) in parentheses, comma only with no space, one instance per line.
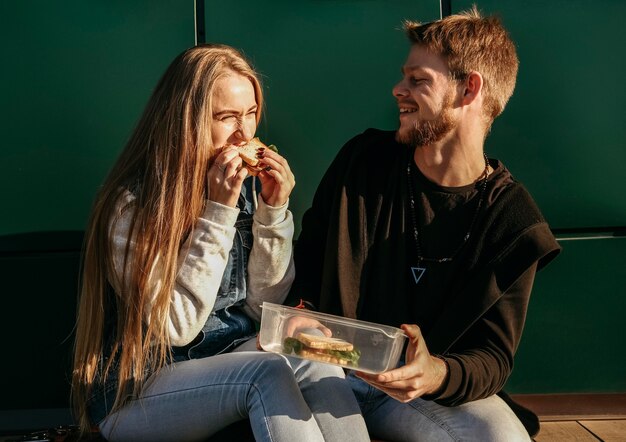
(404,103)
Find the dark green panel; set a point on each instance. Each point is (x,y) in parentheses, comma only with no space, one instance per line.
(328,68)
(563,133)
(574,338)
(75,77)
(37,324)
(38,329)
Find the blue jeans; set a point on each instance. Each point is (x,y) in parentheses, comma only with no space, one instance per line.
(485,420)
(286,399)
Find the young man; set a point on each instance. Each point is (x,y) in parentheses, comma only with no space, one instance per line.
(419,228)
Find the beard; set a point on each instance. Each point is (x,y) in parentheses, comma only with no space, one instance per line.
(425,132)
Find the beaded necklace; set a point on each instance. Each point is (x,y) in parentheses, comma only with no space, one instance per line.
(419,270)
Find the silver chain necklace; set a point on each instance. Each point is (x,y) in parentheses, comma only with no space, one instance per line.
(419,270)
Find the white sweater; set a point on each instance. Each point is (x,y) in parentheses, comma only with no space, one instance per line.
(203,258)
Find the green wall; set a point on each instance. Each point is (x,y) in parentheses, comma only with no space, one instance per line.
(574,337)
(563,133)
(75,77)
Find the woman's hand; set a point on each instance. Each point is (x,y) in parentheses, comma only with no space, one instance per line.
(277,182)
(225,177)
(422,374)
(297,324)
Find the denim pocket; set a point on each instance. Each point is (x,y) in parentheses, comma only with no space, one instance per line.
(236,328)
(244,232)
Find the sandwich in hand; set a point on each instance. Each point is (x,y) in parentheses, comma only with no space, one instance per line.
(322,348)
(248,153)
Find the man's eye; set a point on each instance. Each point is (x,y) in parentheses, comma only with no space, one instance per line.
(415,80)
(228,119)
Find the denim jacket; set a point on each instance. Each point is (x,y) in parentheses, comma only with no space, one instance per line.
(227,325)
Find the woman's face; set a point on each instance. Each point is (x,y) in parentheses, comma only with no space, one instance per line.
(234,111)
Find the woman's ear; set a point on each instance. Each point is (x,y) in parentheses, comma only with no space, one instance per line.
(473,87)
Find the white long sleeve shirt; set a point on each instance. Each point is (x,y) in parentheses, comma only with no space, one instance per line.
(203,259)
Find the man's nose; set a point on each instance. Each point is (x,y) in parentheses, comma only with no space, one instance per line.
(400,89)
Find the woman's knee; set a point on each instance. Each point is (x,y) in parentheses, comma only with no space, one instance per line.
(272,368)
(314,371)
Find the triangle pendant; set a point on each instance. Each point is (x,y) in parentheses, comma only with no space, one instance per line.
(418,272)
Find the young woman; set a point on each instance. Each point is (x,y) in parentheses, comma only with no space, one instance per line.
(181,249)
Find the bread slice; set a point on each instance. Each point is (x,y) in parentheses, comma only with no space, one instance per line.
(310,353)
(248,152)
(324,342)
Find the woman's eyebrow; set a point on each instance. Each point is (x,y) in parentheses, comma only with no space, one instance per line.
(225,112)
(233,111)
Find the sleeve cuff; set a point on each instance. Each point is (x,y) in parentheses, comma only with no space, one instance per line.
(269,215)
(220,214)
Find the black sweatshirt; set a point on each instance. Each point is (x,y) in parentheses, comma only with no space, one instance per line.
(355,251)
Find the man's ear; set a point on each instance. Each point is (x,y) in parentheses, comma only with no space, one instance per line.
(473,87)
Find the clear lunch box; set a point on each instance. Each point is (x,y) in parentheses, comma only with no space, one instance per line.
(354,344)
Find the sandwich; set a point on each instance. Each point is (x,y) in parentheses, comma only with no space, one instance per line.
(248,153)
(322,348)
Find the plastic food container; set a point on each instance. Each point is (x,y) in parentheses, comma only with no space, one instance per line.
(360,345)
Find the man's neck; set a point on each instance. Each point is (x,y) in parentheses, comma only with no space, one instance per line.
(451,162)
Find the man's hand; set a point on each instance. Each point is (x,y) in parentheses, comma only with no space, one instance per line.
(422,374)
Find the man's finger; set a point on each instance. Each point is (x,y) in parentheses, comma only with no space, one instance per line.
(395,375)
(413,332)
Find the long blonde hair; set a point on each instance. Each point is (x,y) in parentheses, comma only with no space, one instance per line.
(164,164)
